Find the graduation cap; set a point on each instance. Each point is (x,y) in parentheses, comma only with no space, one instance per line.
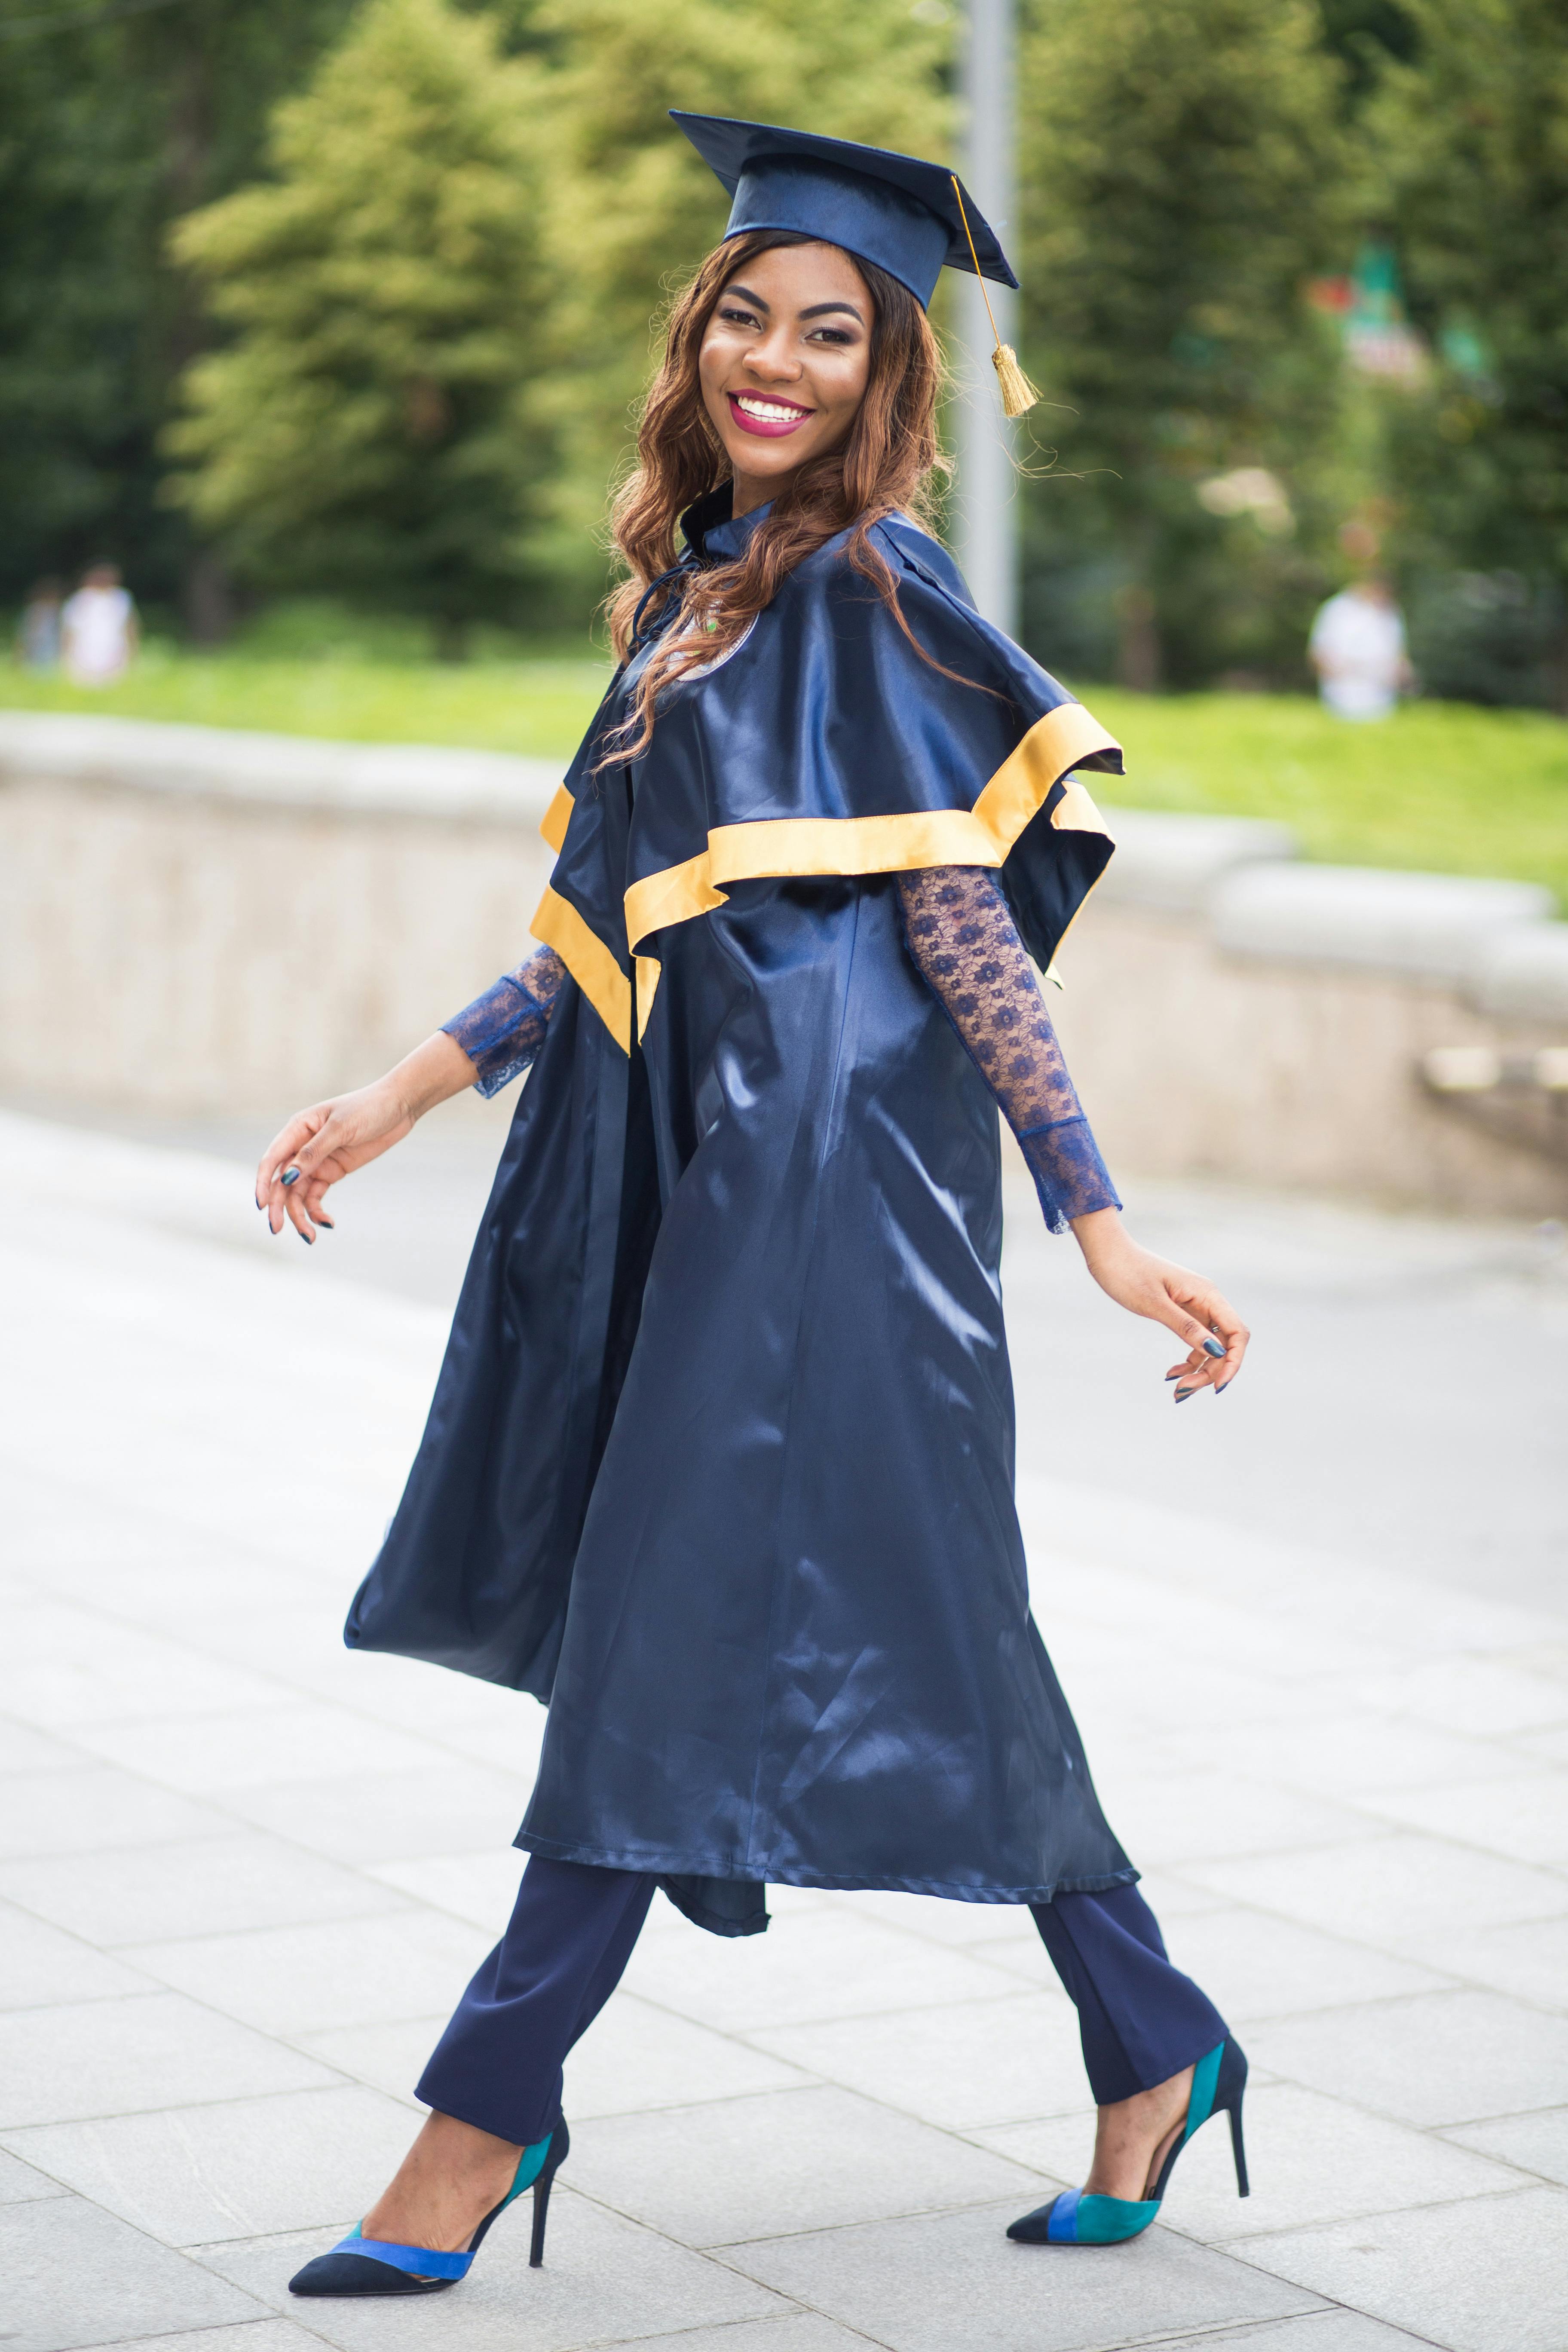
(908,217)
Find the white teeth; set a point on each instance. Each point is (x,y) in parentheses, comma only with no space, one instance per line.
(767,412)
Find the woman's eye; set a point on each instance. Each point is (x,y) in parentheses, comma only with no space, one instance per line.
(739,318)
(831,335)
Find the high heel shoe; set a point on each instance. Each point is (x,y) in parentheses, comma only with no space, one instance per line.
(1078,2218)
(361,2265)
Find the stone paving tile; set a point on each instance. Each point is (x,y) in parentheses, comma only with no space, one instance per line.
(23,1749)
(21,2185)
(1253,1966)
(75,2276)
(257,1747)
(1546,1746)
(959,1923)
(388,2057)
(1442,2058)
(1311,2160)
(638,2057)
(962,2065)
(1488,2277)
(158,1893)
(188,2176)
(1343,1754)
(369,1817)
(249,2335)
(117,2057)
(1530,1961)
(1315,2331)
(291,1981)
(39,1966)
(821,1964)
(1526,1818)
(1475,1695)
(786,2160)
(604,2281)
(1387,1890)
(1535,2143)
(1177,1817)
(953,2280)
(93,1809)
(63,1667)
(791,2331)
(479,1887)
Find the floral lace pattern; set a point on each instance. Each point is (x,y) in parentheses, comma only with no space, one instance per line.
(501,1031)
(963,940)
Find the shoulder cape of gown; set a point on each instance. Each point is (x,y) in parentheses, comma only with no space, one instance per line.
(719,1462)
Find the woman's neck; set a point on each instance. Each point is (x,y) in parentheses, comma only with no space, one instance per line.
(749,491)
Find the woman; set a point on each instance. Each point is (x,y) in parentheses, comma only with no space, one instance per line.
(719,1462)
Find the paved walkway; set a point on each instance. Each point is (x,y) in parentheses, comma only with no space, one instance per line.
(242,1873)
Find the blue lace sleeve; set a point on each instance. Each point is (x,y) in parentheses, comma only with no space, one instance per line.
(963,938)
(501,1031)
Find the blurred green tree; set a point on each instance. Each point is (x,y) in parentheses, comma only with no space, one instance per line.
(106,131)
(368,428)
(1182,167)
(1470,140)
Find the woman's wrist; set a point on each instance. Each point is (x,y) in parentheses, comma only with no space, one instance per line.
(432,1074)
(1099,1234)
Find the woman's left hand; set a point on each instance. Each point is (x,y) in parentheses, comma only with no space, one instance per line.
(1214,1334)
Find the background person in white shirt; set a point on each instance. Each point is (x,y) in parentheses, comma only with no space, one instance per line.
(98,629)
(1357,647)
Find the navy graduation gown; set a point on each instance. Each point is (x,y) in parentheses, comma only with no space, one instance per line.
(719,1462)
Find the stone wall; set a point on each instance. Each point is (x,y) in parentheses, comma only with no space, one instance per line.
(198,921)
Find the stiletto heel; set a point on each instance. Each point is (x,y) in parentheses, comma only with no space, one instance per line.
(1238,2150)
(359,2265)
(1078,2218)
(541,2188)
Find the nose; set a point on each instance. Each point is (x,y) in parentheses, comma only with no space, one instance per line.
(772,360)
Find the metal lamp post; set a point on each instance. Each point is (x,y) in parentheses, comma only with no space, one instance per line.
(986,513)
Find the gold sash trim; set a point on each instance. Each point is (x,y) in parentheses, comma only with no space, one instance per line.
(557,817)
(983,835)
(590,963)
(777,846)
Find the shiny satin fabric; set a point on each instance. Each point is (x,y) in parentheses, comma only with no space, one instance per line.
(807,1656)
(829,742)
(721,1459)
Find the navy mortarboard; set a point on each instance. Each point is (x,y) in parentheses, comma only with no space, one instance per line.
(908,217)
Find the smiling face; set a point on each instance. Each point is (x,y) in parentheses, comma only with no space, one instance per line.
(784,361)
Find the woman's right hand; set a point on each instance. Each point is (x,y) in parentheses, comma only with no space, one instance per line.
(332,1138)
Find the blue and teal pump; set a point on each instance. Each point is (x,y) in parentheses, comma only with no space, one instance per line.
(1077,2219)
(361,2265)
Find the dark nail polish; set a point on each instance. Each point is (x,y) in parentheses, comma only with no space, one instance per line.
(1172,1376)
(307,1239)
(291,1176)
(1222,1387)
(1214,1348)
(1183,1394)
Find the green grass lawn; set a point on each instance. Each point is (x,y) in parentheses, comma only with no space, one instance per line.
(1443,785)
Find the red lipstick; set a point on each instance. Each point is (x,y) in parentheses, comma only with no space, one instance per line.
(789,414)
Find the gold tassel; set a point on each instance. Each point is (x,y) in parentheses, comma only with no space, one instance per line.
(1018,395)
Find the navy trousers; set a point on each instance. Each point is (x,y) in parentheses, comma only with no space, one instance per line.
(498,2065)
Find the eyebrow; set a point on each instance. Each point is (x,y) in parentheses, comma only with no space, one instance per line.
(816,311)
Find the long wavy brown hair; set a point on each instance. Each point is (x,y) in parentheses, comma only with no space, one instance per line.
(888,463)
